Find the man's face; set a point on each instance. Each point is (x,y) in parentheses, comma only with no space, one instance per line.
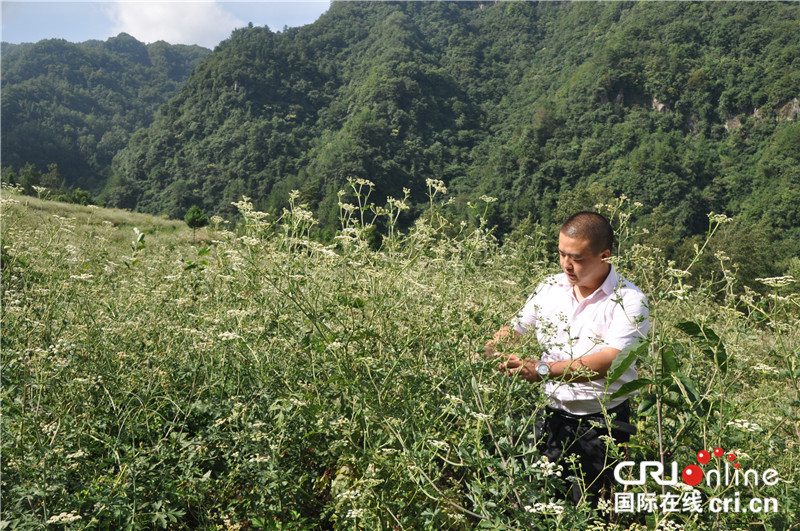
(583,268)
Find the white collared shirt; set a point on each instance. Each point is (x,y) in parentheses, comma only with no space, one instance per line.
(616,315)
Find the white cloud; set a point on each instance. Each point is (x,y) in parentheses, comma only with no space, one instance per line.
(177,22)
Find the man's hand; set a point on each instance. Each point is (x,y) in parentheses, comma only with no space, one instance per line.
(505,336)
(514,364)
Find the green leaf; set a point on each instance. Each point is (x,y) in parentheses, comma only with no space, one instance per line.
(668,363)
(647,403)
(686,388)
(708,341)
(690,327)
(690,393)
(631,386)
(622,362)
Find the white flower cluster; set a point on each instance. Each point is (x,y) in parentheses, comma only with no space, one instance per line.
(604,506)
(228,336)
(547,468)
(327,251)
(74,254)
(64,518)
(237,262)
(454,399)
(677,273)
(437,185)
(718,218)
(361,182)
(61,347)
(338,423)
(300,215)
(355,513)
(244,205)
(8,201)
(761,367)
(743,424)
(347,207)
(549,508)
(349,494)
(777,282)
(683,487)
(248,240)
(399,204)
(13,188)
(441,445)
(217,221)
(679,294)
(668,525)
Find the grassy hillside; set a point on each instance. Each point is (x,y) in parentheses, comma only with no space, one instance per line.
(260,379)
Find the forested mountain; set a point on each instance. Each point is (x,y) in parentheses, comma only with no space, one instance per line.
(76,105)
(684,107)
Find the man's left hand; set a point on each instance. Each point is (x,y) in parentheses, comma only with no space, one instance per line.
(514,364)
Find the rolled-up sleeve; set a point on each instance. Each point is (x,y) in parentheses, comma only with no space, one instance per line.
(630,321)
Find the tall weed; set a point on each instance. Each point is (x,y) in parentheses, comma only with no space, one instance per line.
(263,379)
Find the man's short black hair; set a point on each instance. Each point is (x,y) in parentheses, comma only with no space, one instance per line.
(590,226)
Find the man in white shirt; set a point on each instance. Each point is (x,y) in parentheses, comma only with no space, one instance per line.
(583,319)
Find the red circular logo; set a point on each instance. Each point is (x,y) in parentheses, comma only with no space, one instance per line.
(692,475)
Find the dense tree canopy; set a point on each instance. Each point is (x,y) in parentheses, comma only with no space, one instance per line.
(76,105)
(685,107)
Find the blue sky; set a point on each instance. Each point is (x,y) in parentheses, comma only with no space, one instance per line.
(176,21)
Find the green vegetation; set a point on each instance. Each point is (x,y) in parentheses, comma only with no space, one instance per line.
(684,107)
(50,184)
(267,380)
(195,218)
(75,105)
(311,363)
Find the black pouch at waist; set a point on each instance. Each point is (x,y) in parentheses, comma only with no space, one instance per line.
(599,419)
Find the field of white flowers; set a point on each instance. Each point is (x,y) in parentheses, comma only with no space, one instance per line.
(260,379)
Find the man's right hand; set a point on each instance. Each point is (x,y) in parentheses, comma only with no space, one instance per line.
(504,335)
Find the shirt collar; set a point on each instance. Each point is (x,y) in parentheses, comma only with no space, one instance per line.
(608,286)
(611,282)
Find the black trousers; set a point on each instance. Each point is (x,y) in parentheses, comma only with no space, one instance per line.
(559,434)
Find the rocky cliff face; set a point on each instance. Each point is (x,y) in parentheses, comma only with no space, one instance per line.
(790,111)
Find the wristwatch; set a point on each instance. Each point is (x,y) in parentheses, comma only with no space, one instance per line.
(542,369)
